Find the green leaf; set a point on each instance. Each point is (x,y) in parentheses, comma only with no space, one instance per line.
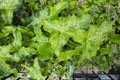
(34,71)
(6,9)
(56,9)
(105,51)
(85,21)
(57,41)
(6,30)
(5,4)
(68,23)
(36,20)
(39,35)
(25,30)
(78,35)
(45,51)
(5,52)
(65,55)
(17,42)
(95,38)
(7,16)
(4,68)
(23,52)
(115,38)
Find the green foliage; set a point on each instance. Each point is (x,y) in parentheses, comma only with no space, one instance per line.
(55,37)
(95,38)
(7,8)
(35,71)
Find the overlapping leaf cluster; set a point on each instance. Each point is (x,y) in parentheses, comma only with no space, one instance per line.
(47,38)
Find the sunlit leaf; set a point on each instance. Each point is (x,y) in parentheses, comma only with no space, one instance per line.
(58,41)
(17,42)
(95,39)
(22,52)
(56,9)
(45,51)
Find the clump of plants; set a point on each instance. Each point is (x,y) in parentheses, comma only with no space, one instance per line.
(46,38)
